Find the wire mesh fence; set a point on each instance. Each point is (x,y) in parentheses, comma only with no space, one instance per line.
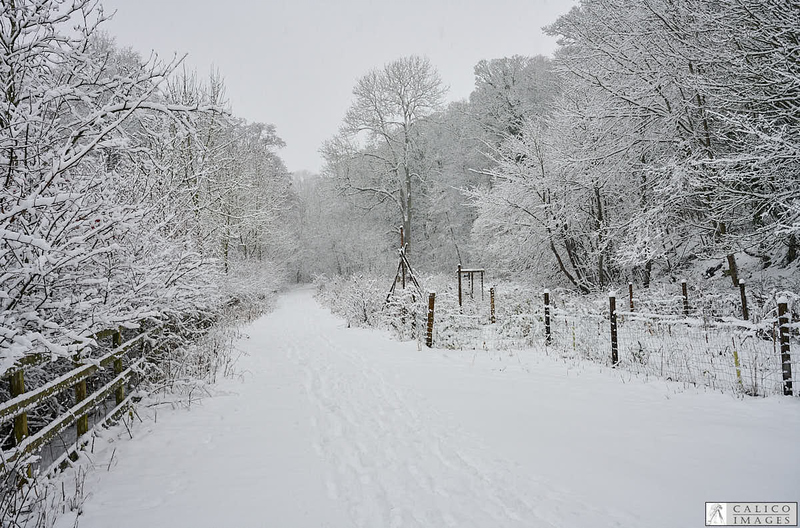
(693,336)
(725,355)
(719,352)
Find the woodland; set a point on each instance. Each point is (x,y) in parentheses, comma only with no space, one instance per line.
(140,215)
(661,136)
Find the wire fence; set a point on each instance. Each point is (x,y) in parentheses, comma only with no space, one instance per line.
(724,356)
(720,352)
(688,335)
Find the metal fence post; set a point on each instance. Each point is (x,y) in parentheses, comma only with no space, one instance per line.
(737,364)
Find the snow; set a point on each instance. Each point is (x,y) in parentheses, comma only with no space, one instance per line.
(337,427)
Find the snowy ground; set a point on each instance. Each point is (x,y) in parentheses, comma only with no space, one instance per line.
(341,427)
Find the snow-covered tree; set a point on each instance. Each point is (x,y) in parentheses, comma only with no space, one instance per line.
(115,186)
(509,90)
(377,152)
(658,73)
(756,84)
(62,110)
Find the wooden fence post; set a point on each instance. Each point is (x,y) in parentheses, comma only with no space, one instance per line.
(630,294)
(548,337)
(786,359)
(403,264)
(429,334)
(745,312)
(82,425)
(737,364)
(21,420)
(685,291)
(120,392)
(459,285)
(612,305)
(491,304)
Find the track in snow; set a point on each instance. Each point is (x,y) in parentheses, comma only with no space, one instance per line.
(396,463)
(345,427)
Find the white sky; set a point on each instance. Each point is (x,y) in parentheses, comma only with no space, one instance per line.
(294,62)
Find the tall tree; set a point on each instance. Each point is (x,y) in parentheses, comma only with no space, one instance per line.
(377,152)
(641,62)
(509,90)
(109,184)
(62,219)
(756,84)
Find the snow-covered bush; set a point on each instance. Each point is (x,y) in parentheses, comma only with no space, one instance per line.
(365,301)
(654,340)
(404,314)
(358,299)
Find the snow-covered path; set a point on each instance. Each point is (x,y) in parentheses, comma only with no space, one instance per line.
(342,427)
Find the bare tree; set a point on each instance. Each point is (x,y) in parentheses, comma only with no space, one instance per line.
(377,151)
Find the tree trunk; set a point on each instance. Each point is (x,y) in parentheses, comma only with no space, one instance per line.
(733,269)
(405,196)
(600,239)
(225,254)
(791,253)
(648,268)
(226,243)
(582,287)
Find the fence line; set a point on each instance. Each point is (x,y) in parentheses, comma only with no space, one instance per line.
(23,402)
(724,353)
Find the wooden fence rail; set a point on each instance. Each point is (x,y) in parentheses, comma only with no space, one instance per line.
(31,444)
(23,402)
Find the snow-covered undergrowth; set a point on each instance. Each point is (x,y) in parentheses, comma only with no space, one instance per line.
(362,301)
(358,299)
(186,356)
(712,347)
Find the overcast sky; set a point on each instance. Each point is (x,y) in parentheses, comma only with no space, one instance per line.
(294,62)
